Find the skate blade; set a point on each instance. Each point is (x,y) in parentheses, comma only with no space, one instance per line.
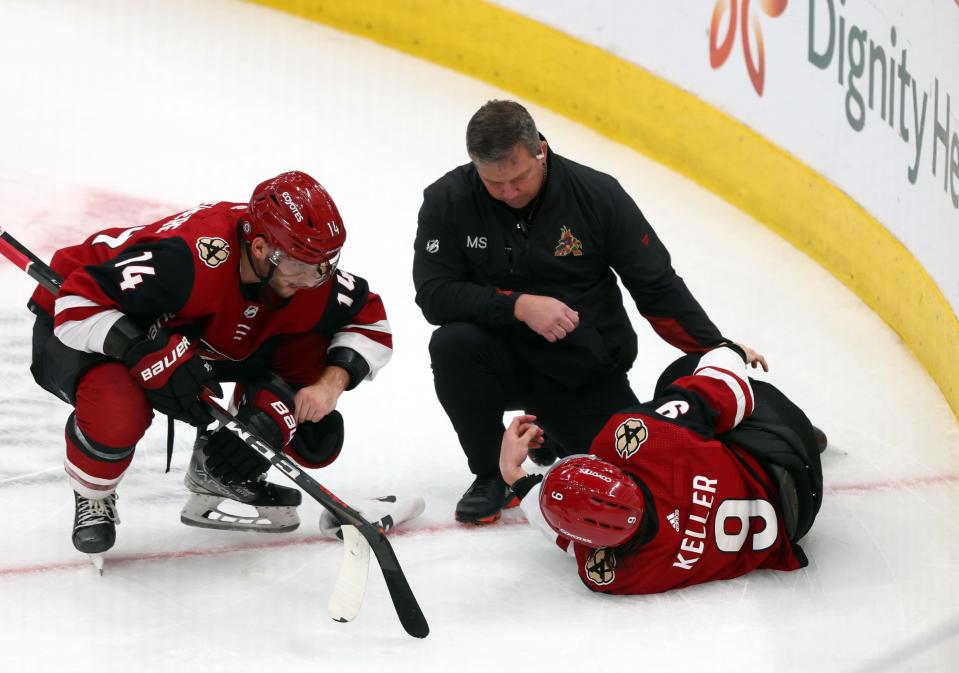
(203,511)
(97,561)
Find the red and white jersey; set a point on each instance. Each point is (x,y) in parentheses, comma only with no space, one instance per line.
(184,271)
(716,513)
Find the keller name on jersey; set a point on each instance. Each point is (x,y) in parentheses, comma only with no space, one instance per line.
(694,537)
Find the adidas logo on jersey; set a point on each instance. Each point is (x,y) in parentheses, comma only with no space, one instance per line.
(673,520)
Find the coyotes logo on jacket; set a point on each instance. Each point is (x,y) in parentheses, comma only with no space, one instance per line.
(568,244)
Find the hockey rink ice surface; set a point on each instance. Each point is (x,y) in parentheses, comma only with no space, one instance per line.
(117,113)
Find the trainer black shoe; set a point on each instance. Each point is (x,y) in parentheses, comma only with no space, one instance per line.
(94,523)
(484,500)
(821,441)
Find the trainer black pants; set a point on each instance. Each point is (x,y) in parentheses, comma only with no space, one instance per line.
(478,377)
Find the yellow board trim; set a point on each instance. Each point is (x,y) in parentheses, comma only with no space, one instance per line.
(632,106)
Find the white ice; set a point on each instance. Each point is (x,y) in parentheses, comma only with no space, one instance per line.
(115,113)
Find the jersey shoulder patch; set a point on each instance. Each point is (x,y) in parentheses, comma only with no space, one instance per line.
(212,250)
(599,567)
(629,435)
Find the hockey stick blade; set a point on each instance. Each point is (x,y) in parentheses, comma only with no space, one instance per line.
(404,602)
(407,609)
(350,586)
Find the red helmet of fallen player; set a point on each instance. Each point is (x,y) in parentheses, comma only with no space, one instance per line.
(590,501)
(294,213)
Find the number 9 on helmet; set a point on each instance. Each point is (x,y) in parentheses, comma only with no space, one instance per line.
(590,501)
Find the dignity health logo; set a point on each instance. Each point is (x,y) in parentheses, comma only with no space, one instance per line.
(751,30)
(875,73)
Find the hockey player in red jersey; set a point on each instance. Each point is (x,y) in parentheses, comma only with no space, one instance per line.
(149,316)
(718,475)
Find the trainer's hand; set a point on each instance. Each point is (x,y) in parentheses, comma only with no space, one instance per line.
(315,401)
(754,358)
(548,317)
(519,436)
(173,375)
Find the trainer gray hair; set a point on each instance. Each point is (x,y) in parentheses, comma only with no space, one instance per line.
(495,128)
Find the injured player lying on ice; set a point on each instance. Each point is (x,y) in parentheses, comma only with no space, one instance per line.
(717,476)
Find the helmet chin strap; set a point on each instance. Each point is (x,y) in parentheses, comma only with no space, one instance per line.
(267,295)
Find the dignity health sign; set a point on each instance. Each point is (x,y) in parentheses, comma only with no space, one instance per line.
(866,93)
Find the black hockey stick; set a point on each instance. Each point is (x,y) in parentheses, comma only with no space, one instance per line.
(407,609)
(403,599)
(12,249)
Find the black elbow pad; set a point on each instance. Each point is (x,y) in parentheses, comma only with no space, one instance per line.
(351,361)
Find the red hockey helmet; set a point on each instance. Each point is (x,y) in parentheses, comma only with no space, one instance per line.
(590,501)
(294,213)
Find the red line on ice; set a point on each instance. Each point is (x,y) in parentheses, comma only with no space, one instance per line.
(894,484)
(510,520)
(113,560)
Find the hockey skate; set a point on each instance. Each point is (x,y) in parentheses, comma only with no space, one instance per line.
(94,526)
(275,505)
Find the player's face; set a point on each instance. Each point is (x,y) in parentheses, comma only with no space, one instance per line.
(517,179)
(291,274)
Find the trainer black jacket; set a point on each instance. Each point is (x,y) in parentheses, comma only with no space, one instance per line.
(474,255)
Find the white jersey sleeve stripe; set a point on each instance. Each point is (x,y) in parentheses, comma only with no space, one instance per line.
(734,387)
(72,301)
(89,334)
(724,358)
(378,326)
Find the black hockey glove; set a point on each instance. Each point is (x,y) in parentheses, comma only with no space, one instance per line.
(545,455)
(267,410)
(318,444)
(172,375)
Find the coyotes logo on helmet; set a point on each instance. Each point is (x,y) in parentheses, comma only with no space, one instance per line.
(600,566)
(630,435)
(213,250)
(568,244)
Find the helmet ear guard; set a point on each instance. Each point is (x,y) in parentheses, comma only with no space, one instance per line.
(590,501)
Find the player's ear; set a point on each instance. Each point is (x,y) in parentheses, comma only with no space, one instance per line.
(260,248)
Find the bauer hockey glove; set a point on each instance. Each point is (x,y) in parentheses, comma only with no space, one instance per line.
(267,410)
(317,444)
(172,375)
